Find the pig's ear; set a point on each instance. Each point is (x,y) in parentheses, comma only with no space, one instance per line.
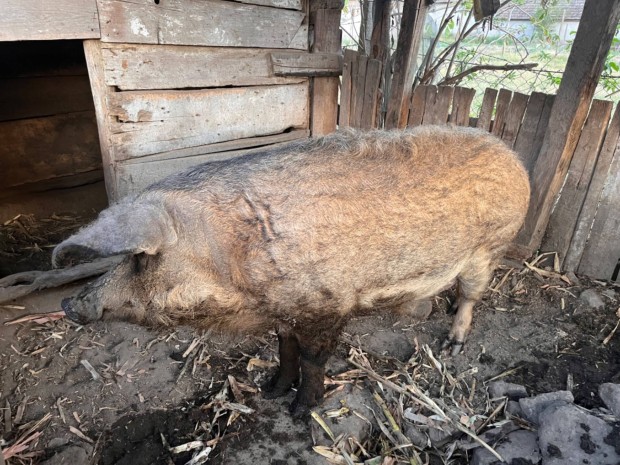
(121,229)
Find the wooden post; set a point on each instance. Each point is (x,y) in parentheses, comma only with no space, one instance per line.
(380,50)
(327,38)
(409,39)
(583,69)
(94,61)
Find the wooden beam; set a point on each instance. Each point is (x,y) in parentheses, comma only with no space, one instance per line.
(306,64)
(405,67)
(585,63)
(101,92)
(327,38)
(45,20)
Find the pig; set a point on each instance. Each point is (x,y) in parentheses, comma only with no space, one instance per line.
(303,237)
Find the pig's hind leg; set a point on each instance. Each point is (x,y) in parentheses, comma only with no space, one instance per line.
(288,371)
(314,351)
(471,284)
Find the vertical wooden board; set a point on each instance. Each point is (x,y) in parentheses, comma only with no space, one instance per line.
(344,116)
(209,22)
(354,91)
(525,138)
(501,111)
(101,93)
(438,114)
(591,202)
(404,66)
(429,104)
(461,105)
(324,97)
(539,137)
(418,103)
(45,20)
(371,94)
(602,250)
(514,118)
(564,217)
(486,110)
(151,122)
(359,83)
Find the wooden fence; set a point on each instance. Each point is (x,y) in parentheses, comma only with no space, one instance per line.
(584,226)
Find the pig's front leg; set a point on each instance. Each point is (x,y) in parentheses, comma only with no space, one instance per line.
(288,372)
(313,356)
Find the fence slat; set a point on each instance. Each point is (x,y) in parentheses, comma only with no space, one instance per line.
(461,105)
(514,117)
(525,139)
(371,94)
(353,103)
(429,105)
(360,79)
(418,104)
(602,250)
(590,204)
(564,217)
(345,93)
(501,111)
(438,112)
(486,110)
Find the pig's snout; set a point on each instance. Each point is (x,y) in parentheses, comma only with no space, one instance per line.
(76,314)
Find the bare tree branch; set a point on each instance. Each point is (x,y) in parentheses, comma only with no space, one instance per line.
(457,78)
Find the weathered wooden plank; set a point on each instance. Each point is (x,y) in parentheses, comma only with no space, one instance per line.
(38,149)
(287,4)
(514,117)
(539,137)
(344,116)
(405,67)
(42,20)
(134,177)
(359,83)
(208,22)
(306,64)
(524,143)
(591,202)
(461,105)
(371,95)
(564,217)
(501,112)
(588,52)
(602,251)
(144,67)
(94,61)
(327,38)
(44,96)
(437,109)
(153,122)
(418,104)
(237,144)
(486,110)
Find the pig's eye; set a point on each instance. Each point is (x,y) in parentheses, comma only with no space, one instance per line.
(140,262)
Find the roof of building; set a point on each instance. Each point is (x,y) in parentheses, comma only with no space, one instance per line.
(567,10)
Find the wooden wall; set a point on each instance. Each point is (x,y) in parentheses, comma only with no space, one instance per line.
(48,126)
(173,89)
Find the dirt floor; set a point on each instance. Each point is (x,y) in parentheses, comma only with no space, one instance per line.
(116,393)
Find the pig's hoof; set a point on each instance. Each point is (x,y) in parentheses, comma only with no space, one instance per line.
(454,306)
(453,346)
(277,387)
(299,410)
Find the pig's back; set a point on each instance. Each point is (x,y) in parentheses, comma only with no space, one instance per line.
(364,214)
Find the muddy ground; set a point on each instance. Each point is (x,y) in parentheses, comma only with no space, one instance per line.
(157,390)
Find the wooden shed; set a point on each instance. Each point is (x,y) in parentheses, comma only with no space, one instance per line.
(131,91)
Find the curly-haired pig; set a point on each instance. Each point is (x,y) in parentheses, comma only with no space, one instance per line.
(303,237)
